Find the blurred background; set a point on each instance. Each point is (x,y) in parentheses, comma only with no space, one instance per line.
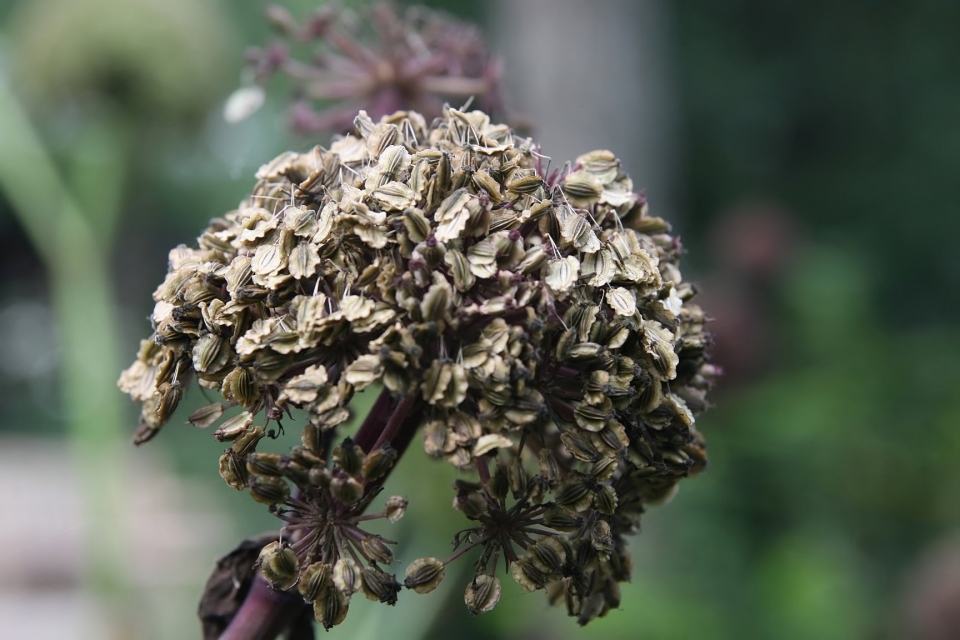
(804,152)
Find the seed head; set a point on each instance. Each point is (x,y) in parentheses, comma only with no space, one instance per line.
(378,60)
(531,324)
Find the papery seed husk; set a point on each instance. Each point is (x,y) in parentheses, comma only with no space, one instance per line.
(346,489)
(346,576)
(234,427)
(379,462)
(581,188)
(233,470)
(527,576)
(239,386)
(622,301)
(168,399)
(315,580)
(601,164)
(452,215)
(579,445)
(210,353)
(349,457)
(548,555)
(378,585)
(601,538)
(279,565)
(482,594)
(247,441)
(377,550)
(489,442)
(463,278)
(268,259)
(605,500)
(264,464)
(436,302)
(394,196)
(395,508)
(206,416)
(331,608)
(485,182)
(560,275)
(524,184)
(381,136)
(268,490)
(572,494)
(562,521)
(424,574)
(364,371)
(304,260)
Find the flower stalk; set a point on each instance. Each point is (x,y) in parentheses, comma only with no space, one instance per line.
(73,248)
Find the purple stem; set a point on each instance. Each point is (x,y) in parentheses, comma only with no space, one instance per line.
(373,424)
(398,419)
(264,613)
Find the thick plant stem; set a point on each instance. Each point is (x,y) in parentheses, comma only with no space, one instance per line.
(264,613)
(75,258)
(374,423)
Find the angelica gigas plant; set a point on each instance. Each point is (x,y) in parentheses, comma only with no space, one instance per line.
(523,320)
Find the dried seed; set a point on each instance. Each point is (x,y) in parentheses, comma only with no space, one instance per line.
(395,508)
(463,278)
(315,580)
(279,565)
(346,576)
(206,416)
(489,442)
(424,574)
(581,188)
(378,585)
(331,608)
(482,594)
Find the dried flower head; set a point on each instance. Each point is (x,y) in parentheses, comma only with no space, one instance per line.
(378,60)
(530,325)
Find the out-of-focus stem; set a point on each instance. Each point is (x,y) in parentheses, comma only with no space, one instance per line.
(76,263)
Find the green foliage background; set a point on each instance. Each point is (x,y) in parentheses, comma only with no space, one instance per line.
(833,456)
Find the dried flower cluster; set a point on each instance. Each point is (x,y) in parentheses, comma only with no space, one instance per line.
(378,60)
(531,326)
